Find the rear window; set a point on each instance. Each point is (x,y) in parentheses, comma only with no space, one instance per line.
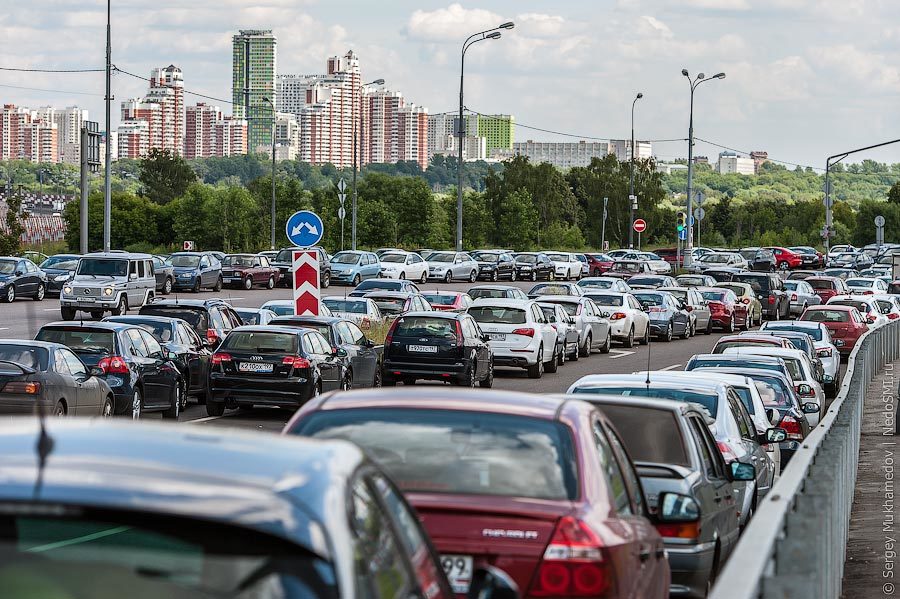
(497,315)
(261,342)
(81,340)
(440,299)
(607,300)
(459,452)
(723,345)
(550,290)
(815,333)
(597,284)
(708,400)
(160,330)
(757,282)
(32,357)
(321,328)
(820,284)
(488,293)
(694,281)
(773,391)
(819,315)
(861,306)
(650,435)
(196,317)
(185,261)
(390,305)
(714,296)
(746,398)
(347,306)
(372,284)
(644,281)
(736,289)
(423,326)
(713,363)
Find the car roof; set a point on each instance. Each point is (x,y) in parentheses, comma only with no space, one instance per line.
(736,358)
(89,324)
(135,318)
(640,380)
(726,377)
(329,320)
(786,352)
(558,299)
(32,343)
(268,328)
(389,293)
(123,255)
(499,287)
(838,307)
(778,325)
(745,337)
(635,401)
(501,302)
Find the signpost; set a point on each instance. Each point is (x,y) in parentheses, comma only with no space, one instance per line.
(699,214)
(639,226)
(188,246)
(603,228)
(879,230)
(304,229)
(342,197)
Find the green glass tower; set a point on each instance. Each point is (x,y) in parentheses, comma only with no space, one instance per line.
(253,78)
(497,130)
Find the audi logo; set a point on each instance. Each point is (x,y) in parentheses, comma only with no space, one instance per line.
(256,358)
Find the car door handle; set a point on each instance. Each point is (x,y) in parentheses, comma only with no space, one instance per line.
(718,499)
(660,552)
(644,554)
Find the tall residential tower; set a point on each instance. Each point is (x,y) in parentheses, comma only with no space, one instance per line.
(253,78)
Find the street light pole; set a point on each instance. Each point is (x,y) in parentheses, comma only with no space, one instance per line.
(107,183)
(272,212)
(632,200)
(487,34)
(357,155)
(689,242)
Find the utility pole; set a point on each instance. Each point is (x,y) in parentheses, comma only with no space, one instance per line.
(632,199)
(107,183)
(603,228)
(83,212)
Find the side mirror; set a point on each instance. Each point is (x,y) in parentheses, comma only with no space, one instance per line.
(19,272)
(170,355)
(674,507)
(368,343)
(742,472)
(492,583)
(339,352)
(773,435)
(804,389)
(810,407)
(870,319)
(96,371)
(132,276)
(486,338)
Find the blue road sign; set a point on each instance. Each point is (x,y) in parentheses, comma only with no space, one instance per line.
(682,235)
(304,228)
(692,221)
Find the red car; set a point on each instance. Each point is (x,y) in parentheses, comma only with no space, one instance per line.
(845,324)
(599,264)
(247,270)
(540,487)
(725,311)
(828,287)
(785,258)
(670,255)
(448,301)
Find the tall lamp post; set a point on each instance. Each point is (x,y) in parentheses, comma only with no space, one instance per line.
(107,175)
(689,246)
(632,199)
(272,214)
(357,154)
(487,34)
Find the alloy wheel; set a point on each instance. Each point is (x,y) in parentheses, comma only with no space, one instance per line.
(136,405)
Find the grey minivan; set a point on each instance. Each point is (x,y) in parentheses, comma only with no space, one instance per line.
(108,282)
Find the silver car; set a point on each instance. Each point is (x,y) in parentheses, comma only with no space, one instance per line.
(696,306)
(593,330)
(567,337)
(801,295)
(108,282)
(447,266)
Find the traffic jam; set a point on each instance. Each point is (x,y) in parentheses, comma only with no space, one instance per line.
(387,480)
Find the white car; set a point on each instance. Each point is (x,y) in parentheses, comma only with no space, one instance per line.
(866,306)
(841,249)
(566,331)
(627,320)
(889,305)
(826,350)
(610,283)
(658,266)
(360,310)
(286,308)
(520,335)
(446,266)
(404,265)
(866,285)
(714,260)
(565,265)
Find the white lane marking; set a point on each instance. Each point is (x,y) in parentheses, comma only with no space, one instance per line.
(671,367)
(207,419)
(4,328)
(51,309)
(620,353)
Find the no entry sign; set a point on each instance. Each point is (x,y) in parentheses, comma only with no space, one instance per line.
(640,225)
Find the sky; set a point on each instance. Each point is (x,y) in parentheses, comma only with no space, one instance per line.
(804,78)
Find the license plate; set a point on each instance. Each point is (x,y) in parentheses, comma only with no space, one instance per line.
(428,349)
(229,280)
(86,300)
(458,569)
(255,367)
(497,336)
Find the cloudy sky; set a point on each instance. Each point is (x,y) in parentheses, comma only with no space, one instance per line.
(805,78)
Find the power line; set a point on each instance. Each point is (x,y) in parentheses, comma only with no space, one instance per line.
(53,91)
(712,143)
(186,91)
(23,70)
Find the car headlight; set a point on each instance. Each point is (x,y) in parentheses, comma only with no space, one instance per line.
(108,291)
(61,278)
(185,275)
(67,290)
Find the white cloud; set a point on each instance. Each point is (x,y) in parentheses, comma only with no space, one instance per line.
(451,24)
(867,69)
(718,4)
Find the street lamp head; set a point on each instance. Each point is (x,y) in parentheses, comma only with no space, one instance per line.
(720,76)
(377,82)
(493,36)
(507,25)
(640,95)
(701,76)
(265,99)
(685,73)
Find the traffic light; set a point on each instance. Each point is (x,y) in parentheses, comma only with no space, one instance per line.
(681,221)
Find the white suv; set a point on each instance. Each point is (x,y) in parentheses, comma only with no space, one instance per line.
(520,335)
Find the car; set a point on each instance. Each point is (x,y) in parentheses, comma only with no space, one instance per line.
(362,311)
(745,295)
(850,260)
(437,346)
(383,285)
(279,307)
(749,339)
(363,355)
(246,270)
(797,339)
(681,456)
(59,268)
(598,264)
(888,305)
(585,267)
(880,271)
(40,376)
(352,267)
(734,360)
(447,266)
(21,277)
(268,254)
(495,265)
(668,318)
(82,494)
(717,260)
(284,262)
(656,263)
(785,258)
(651,281)
(769,288)
(697,307)
(594,331)
(393,303)
(618,254)
(610,283)
(197,270)
(670,255)
(565,266)
(726,312)
(627,320)
(456,301)
(697,280)
(496,291)
(865,285)
(801,296)
(108,282)
(841,273)
(255,315)
(531,266)
(802,275)
(566,331)
(520,335)
(827,287)
(384,251)
(165,275)
(141,374)
(278,366)
(809,256)
(538,484)
(211,319)
(841,249)
(625,269)
(723,275)
(404,265)
(867,307)
(555,288)
(760,259)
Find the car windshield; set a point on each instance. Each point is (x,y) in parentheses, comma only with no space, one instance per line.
(441,257)
(650,299)
(607,300)
(773,391)
(103,267)
(757,282)
(245,261)
(46,555)
(379,284)
(345,305)
(627,267)
(320,327)
(185,261)
(497,315)
(249,316)
(32,357)
(596,283)
(260,342)
(714,258)
(650,435)
(345,258)
(161,330)
(60,262)
(489,293)
(100,342)
(708,400)
(440,299)
(644,281)
(714,296)
(696,363)
(526,258)
(459,452)
(286,255)
(558,257)
(394,258)
(486,257)
(550,289)
(196,317)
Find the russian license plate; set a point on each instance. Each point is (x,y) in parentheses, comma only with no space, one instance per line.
(427,349)
(255,367)
(497,336)
(229,279)
(86,300)
(458,569)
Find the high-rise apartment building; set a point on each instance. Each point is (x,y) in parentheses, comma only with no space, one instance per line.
(229,137)
(28,134)
(253,79)
(69,121)
(497,129)
(200,121)
(442,136)
(163,111)
(412,135)
(12,130)
(133,139)
(759,157)
(40,141)
(381,109)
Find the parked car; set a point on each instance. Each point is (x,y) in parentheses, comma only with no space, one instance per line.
(810,257)
(610,283)
(850,260)
(866,285)
(21,277)
(769,288)
(142,376)
(717,260)
(353,267)
(799,340)
(447,266)
(59,268)
(269,254)
(668,318)
(197,270)
(723,275)
(456,301)
(164,274)
(211,319)
(279,307)
(566,331)
(697,307)
(827,287)
(441,346)
(394,303)
(651,281)
(697,280)
(494,265)
(273,366)
(785,258)
(840,272)
(867,307)
(255,315)
(541,485)
(801,296)
(841,249)
(384,251)
(729,360)
(555,288)
(598,264)
(404,265)
(585,267)
(746,295)
(284,262)
(246,270)
(802,275)
(594,331)
(496,291)
(625,269)
(565,266)
(531,266)
(362,311)
(656,263)
(627,320)
(520,335)
(761,259)
(749,340)
(826,351)
(725,311)
(108,282)
(383,285)
(45,376)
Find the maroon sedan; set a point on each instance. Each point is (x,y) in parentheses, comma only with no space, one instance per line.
(448,301)
(599,264)
(247,270)
(539,487)
(725,311)
(845,324)
(828,287)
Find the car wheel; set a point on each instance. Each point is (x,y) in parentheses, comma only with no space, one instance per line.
(10,296)
(121,307)
(108,407)
(783,265)
(746,325)
(60,409)
(551,276)
(357,279)
(97,314)
(604,349)
(629,340)
(248,283)
(494,276)
(537,371)
(687,331)
(708,330)
(326,280)
(596,272)
(730,327)
(759,318)
(196,287)
(553,365)
(218,286)
(424,278)
(174,403)
(39,294)
(409,381)
(471,379)
(270,284)
(347,383)
(588,347)
(670,333)
(214,408)
(448,276)
(512,276)
(184,397)
(534,276)
(646,338)
(137,405)
(67,313)
(561,355)
(473,276)
(488,381)
(377,377)
(167,286)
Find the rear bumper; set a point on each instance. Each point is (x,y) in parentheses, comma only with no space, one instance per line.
(22,404)
(619,329)
(237,390)
(435,372)
(658,327)
(691,566)
(504,356)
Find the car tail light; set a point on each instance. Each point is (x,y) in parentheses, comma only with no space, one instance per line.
(745,300)
(459,335)
(824,352)
(792,427)
(26,387)
(524,332)
(893,315)
(727,452)
(390,334)
(679,530)
(295,361)
(113,365)
(617,316)
(771,299)
(574,564)
(793,297)
(212,336)
(219,357)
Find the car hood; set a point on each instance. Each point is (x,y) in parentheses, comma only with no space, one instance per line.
(181,269)
(56,271)
(89,281)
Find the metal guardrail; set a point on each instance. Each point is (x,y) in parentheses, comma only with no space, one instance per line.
(795,545)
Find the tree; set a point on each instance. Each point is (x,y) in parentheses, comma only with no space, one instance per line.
(517,222)
(893,195)
(165,176)
(12,227)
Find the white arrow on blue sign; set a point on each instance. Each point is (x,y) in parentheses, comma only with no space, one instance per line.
(304,228)
(682,235)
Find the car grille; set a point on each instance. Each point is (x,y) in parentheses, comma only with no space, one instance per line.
(227,273)
(86,291)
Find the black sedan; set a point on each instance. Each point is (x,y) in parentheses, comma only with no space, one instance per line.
(364,355)
(531,266)
(140,372)
(20,277)
(187,350)
(437,346)
(273,366)
(494,265)
(165,275)
(59,269)
(49,375)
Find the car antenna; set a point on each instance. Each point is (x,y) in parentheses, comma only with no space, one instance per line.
(649,344)
(44,445)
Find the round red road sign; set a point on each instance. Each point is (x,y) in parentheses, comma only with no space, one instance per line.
(640,225)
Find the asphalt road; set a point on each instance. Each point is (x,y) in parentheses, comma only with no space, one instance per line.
(23,318)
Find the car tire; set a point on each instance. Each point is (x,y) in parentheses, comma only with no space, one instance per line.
(39,294)
(326,280)
(357,280)
(537,370)
(270,284)
(629,340)
(604,349)
(561,355)
(409,381)
(196,287)
(470,379)
(174,402)
(60,409)
(551,276)
(747,323)
(586,349)
(121,307)
(646,339)
(214,408)
(347,382)
(534,276)
(783,265)
(248,283)
(97,314)
(448,277)
(218,286)
(108,409)
(10,296)
(730,328)
(553,365)
(167,286)
(424,278)
(137,404)
(670,333)
(512,276)
(488,381)
(709,323)
(67,313)
(574,356)
(473,276)
(495,276)
(687,331)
